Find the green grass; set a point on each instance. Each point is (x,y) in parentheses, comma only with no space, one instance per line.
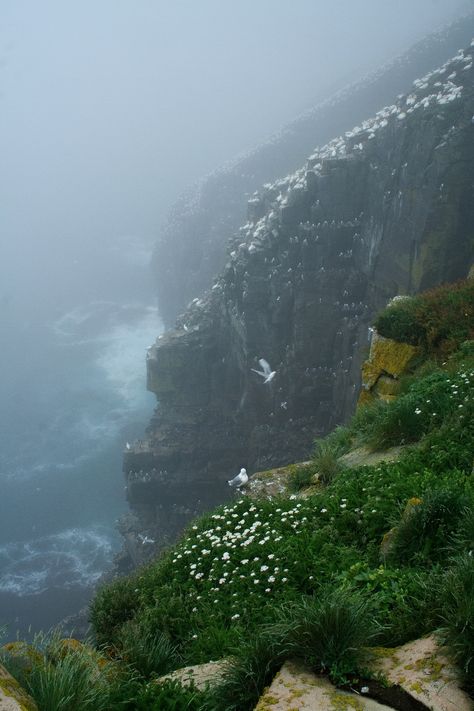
(457,615)
(327,631)
(60,679)
(251,667)
(225,575)
(167,696)
(301,477)
(327,452)
(236,566)
(424,530)
(428,403)
(149,652)
(437,320)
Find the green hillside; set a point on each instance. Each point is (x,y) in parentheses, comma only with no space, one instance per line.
(350,557)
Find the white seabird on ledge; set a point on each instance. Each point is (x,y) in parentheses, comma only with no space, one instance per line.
(240,480)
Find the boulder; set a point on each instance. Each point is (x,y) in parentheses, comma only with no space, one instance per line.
(12,696)
(362,456)
(422,670)
(201,675)
(387,357)
(296,688)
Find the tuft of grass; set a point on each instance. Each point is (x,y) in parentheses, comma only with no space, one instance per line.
(463,538)
(300,478)
(328,632)
(251,668)
(424,529)
(64,681)
(327,452)
(457,615)
(149,652)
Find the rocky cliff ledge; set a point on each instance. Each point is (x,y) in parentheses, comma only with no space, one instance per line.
(386,209)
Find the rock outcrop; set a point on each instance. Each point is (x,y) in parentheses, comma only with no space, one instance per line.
(416,676)
(386,209)
(422,670)
(192,247)
(12,696)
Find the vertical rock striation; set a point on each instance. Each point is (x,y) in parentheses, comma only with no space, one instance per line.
(386,209)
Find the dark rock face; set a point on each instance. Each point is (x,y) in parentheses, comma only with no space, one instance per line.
(192,247)
(387,209)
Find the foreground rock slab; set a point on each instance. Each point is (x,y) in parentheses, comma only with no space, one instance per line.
(12,696)
(201,675)
(273,482)
(295,688)
(422,670)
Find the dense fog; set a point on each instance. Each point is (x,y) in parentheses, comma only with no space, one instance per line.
(107,112)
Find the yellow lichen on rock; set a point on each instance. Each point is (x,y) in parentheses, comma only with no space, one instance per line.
(297,687)
(387,361)
(12,696)
(24,655)
(387,388)
(422,670)
(387,357)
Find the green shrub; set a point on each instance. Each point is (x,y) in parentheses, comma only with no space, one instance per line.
(234,567)
(440,318)
(399,321)
(113,605)
(402,600)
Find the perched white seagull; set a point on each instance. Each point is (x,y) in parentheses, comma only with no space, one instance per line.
(127,444)
(267,373)
(240,480)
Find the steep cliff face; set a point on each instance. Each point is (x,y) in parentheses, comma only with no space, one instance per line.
(192,247)
(386,209)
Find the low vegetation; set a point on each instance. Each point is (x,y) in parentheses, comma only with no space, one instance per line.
(377,554)
(437,320)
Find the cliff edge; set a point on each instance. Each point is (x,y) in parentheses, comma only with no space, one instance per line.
(387,209)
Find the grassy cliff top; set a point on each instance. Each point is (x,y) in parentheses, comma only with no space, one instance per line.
(372,554)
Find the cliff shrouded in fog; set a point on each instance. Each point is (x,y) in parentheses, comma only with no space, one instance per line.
(192,247)
(385,209)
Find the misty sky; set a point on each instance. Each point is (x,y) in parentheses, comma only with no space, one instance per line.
(109,108)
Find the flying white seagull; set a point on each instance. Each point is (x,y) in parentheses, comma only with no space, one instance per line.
(240,480)
(267,373)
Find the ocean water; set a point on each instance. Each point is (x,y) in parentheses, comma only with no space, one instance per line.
(72,392)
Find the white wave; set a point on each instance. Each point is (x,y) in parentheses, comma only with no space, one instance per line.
(72,558)
(123,357)
(93,321)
